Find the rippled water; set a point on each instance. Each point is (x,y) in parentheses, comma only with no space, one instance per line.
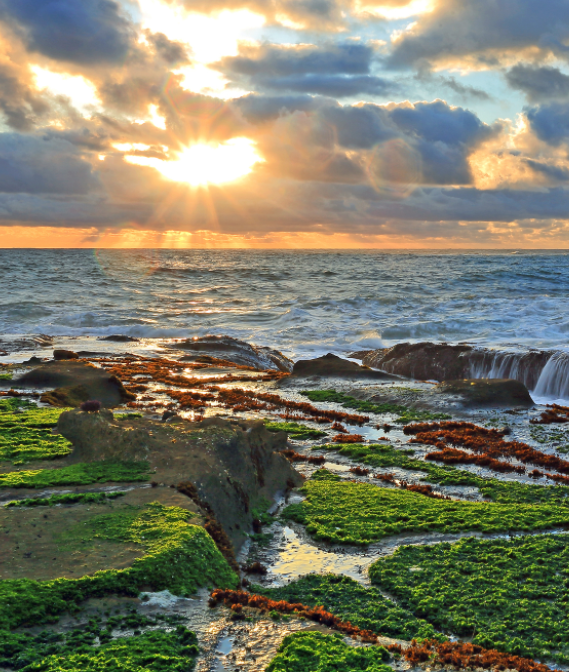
(299,302)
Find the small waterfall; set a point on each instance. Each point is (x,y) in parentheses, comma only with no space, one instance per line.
(545,374)
(499,365)
(553,381)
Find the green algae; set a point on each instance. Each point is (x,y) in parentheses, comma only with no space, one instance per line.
(317,652)
(26,433)
(385,456)
(10,404)
(69,498)
(405,413)
(325,475)
(94,648)
(362,513)
(366,608)
(178,557)
(6,376)
(507,594)
(295,430)
(78,474)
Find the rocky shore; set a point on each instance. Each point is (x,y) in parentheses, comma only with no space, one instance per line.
(216,503)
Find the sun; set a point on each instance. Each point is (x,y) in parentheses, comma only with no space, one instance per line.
(202,164)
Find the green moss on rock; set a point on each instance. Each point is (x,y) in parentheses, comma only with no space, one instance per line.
(93,647)
(295,430)
(317,652)
(508,594)
(361,513)
(26,433)
(385,456)
(405,413)
(78,474)
(178,557)
(366,608)
(69,498)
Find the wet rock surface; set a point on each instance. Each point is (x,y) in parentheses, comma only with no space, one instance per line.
(331,366)
(74,383)
(443,361)
(234,350)
(233,466)
(488,392)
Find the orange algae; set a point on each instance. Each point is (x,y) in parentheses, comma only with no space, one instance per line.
(347,438)
(488,444)
(461,655)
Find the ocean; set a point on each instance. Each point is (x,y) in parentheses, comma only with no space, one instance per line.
(304,303)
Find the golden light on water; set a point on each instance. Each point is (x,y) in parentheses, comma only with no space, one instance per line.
(203,164)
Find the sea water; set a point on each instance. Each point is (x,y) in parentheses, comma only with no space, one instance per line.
(304,303)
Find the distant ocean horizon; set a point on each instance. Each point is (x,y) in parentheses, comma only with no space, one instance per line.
(304,302)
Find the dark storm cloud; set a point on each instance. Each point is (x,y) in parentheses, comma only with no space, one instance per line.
(538,83)
(34,165)
(550,122)
(460,28)
(79,31)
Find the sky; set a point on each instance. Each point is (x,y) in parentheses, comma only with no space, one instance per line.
(284,123)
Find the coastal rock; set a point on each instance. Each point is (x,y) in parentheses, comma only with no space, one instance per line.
(233,466)
(65,354)
(332,366)
(441,361)
(236,351)
(119,338)
(487,392)
(359,354)
(422,361)
(75,382)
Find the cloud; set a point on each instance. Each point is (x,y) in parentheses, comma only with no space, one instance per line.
(335,70)
(483,31)
(257,109)
(552,172)
(84,32)
(318,15)
(466,92)
(271,60)
(172,52)
(402,167)
(550,122)
(19,103)
(539,83)
(33,165)
(421,143)
(335,86)
(438,122)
